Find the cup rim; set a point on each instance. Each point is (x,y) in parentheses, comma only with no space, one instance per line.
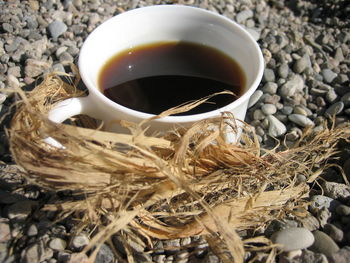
(183,118)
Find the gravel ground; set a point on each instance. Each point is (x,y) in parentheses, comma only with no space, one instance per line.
(306,46)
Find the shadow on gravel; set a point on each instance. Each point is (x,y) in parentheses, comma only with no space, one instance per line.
(319,11)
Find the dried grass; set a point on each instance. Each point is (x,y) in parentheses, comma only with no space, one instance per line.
(183,183)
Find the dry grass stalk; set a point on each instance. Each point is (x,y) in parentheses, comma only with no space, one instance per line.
(186,182)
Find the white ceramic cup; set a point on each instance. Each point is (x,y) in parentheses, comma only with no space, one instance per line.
(158,24)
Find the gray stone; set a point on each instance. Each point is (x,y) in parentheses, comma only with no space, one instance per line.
(300,110)
(336,190)
(300,65)
(5,232)
(277,225)
(105,255)
(320,201)
(57,28)
(283,71)
(335,109)
(211,258)
(255,98)
(15,71)
(77,258)
(58,68)
(323,244)
(258,115)
(268,109)
(343,210)
(269,75)
(276,127)
(310,222)
(346,99)
(331,96)
(12,82)
(244,15)
(308,256)
(341,256)
(79,242)
(292,86)
(334,232)
(57,244)
(287,110)
(32,230)
(323,216)
(94,19)
(301,120)
(36,253)
(66,58)
(293,238)
(34,67)
(328,75)
(270,87)
(159,258)
(254,32)
(7,27)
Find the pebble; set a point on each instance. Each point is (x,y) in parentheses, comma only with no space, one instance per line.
(2,100)
(269,75)
(79,242)
(77,258)
(258,115)
(105,255)
(57,244)
(5,232)
(292,86)
(334,232)
(268,109)
(301,120)
(310,222)
(331,96)
(328,75)
(323,244)
(12,82)
(323,216)
(270,87)
(283,71)
(300,65)
(36,253)
(343,210)
(293,238)
(336,190)
(321,201)
(57,28)
(32,230)
(276,127)
(346,99)
(308,256)
(255,98)
(335,109)
(159,258)
(244,15)
(34,67)
(341,256)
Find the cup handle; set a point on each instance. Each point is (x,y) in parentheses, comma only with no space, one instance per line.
(64,110)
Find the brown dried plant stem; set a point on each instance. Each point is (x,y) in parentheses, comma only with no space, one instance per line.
(183,183)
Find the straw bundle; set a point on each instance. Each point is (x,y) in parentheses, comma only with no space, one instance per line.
(183,183)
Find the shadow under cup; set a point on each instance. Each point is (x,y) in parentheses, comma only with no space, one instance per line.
(167,24)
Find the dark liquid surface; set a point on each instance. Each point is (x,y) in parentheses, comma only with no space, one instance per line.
(153,78)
